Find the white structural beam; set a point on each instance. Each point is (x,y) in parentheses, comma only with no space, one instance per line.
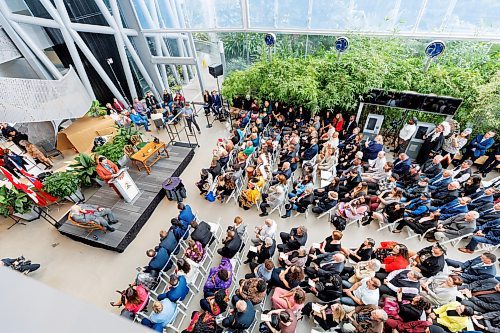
(487,37)
(420,15)
(30,43)
(80,27)
(149,71)
(30,57)
(173,60)
(70,44)
(120,44)
(93,61)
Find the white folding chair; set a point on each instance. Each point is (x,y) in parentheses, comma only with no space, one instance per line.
(456,240)
(383,225)
(177,322)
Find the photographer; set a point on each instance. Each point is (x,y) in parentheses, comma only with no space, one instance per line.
(19,264)
(405,134)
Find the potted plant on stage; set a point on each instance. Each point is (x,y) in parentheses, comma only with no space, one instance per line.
(84,168)
(64,185)
(96,110)
(14,202)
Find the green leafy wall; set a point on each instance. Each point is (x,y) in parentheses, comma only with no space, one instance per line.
(467,70)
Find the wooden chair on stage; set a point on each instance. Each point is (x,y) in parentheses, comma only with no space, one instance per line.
(129,150)
(137,141)
(89,226)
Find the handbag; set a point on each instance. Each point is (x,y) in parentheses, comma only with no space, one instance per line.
(210,196)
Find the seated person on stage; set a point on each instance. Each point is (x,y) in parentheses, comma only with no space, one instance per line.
(178,289)
(107,170)
(92,213)
(163,314)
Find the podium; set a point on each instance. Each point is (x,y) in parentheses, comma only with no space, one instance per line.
(125,185)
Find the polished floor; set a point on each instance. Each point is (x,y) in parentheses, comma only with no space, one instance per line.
(93,274)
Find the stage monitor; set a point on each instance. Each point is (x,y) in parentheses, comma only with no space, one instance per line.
(414,101)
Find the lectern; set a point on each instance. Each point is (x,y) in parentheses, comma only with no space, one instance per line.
(125,185)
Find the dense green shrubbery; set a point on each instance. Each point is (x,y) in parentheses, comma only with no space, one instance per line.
(470,71)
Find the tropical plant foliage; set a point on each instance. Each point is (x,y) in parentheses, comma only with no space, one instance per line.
(61,184)
(84,168)
(14,201)
(113,151)
(470,71)
(96,109)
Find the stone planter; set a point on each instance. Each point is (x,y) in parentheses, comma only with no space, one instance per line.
(76,197)
(123,161)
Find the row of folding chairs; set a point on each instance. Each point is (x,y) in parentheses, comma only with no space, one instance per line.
(195,279)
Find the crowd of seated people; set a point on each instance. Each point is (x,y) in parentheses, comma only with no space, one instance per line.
(276,156)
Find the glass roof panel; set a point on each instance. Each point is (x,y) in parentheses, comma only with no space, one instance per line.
(228,14)
(261,13)
(407,14)
(292,14)
(433,15)
(474,16)
(370,15)
(197,14)
(330,14)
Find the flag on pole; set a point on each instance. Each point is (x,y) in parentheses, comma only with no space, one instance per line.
(23,187)
(38,185)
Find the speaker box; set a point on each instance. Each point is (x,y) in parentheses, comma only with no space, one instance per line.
(215,70)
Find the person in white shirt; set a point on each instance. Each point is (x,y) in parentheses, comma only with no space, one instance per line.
(364,292)
(377,165)
(405,135)
(268,230)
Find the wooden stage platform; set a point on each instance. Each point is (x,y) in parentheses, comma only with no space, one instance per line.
(131,216)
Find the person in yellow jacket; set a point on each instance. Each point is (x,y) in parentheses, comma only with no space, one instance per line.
(249,196)
(452,316)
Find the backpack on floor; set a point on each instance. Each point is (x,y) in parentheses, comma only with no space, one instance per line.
(338,222)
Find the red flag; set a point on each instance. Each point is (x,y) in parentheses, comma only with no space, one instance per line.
(23,187)
(38,185)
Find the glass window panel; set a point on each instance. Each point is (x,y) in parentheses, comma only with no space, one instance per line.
(474,16)
(140,15)
(330,14)
(433,16)
(372,15)
(197,14)
(228,14)
(261,13)
(292,13)
(407,15)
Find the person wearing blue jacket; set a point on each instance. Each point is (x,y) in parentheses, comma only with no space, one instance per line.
(139,120)
(440,181)
(178,228)
(478,146)
(481,198)
(479,268)
(417,207)
(159,260)
(312,151)
(185,214)
(178,289)
(372,148)
(452,208)
(489,233)
(401,165)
